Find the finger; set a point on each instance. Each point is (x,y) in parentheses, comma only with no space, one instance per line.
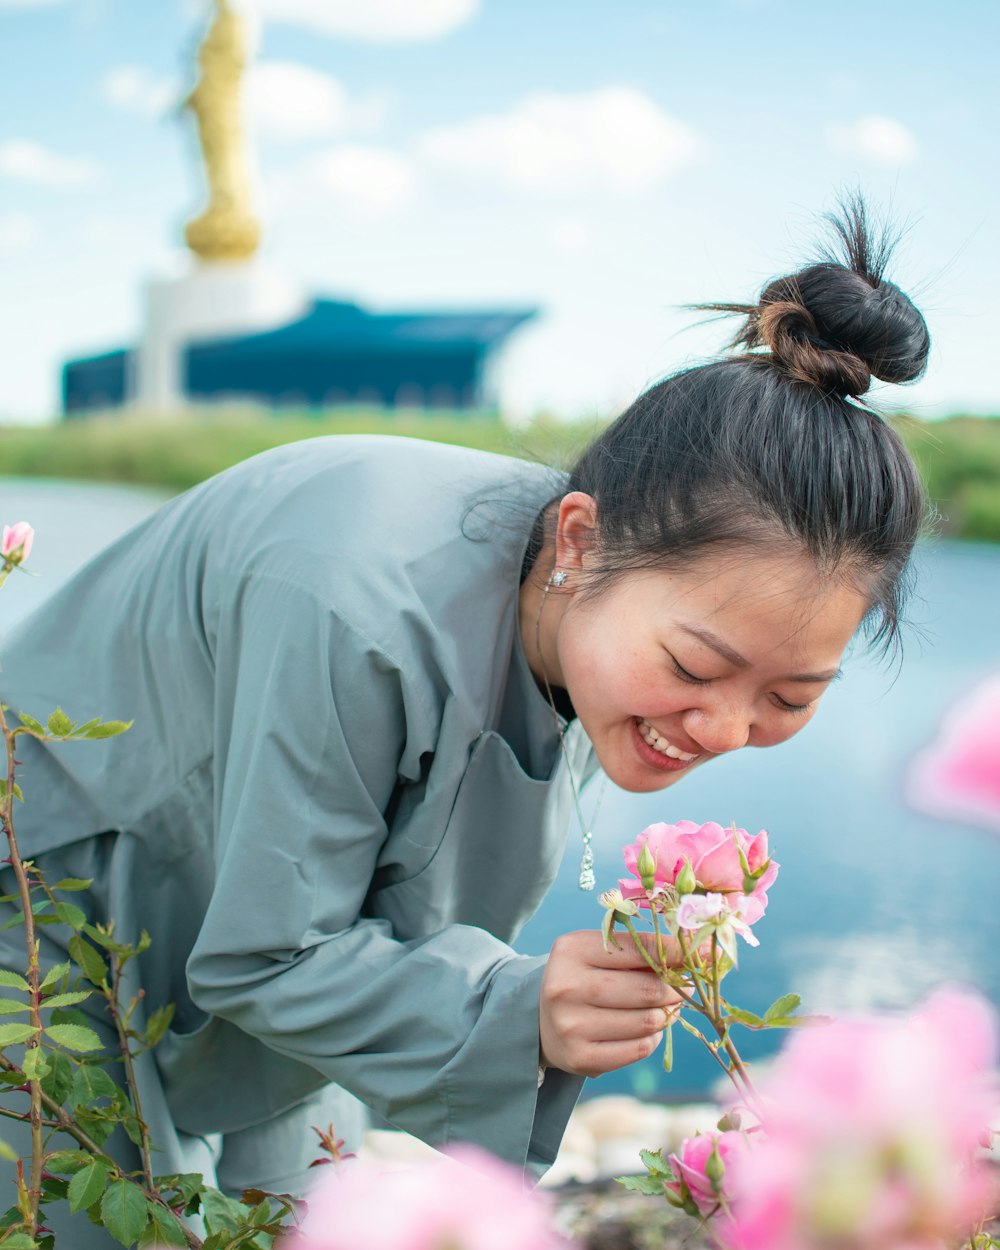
(604,1057)
(624,1026)
(625,955)
(627,988)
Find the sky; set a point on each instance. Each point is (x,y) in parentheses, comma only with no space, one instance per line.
(607,162)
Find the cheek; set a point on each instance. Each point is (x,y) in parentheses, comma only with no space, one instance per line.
(781,726)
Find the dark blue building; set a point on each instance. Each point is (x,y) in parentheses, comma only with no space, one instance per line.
(338,353)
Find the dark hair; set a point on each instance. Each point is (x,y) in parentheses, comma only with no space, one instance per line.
(727,454)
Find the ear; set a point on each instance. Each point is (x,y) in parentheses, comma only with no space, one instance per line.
(576,530)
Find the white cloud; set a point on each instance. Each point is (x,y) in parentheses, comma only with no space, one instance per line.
(613,139)
(18,232)
(568,234)
(881,140)
(134,88)
(292,101)
(383,20)
(365,181)
(25,161)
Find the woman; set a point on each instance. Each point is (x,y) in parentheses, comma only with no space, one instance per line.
(355,667)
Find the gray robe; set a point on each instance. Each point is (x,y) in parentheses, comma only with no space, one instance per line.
(341,797)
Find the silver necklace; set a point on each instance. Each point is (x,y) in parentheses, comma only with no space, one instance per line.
(586,879)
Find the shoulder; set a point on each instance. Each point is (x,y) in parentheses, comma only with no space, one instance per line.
(411,543)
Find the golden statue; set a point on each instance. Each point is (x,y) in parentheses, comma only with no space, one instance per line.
(227,229)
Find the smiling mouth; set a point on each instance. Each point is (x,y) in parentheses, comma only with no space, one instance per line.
(662,745)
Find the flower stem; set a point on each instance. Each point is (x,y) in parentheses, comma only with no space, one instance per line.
(133,1088)
(34,993)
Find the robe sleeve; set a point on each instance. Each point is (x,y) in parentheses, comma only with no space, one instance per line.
(439,1035)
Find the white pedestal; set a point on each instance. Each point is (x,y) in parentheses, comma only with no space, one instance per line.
(212,301)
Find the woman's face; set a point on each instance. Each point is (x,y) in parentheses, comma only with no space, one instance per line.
(666,671)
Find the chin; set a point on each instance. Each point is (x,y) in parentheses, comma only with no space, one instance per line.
(645,781)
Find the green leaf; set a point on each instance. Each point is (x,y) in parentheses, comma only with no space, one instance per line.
(744,1017)
(98,1124)
(654,1162)
(8,1007)
(66,1162)
(222,1214)
(70,914)
(163,1229)
(85,728)
(12,1034)
(70,1015)
(87,1185)
(74,1036)
(35,1065)
(109,729)
(185,1186)
(29,722)
(91,1083)
(89,960)
(123,1210)
(786,1005)
(106,940)
(60,724)
(7,1152)
(60,1079)
(13,980)
(67,1000)
(651,1185)
(158,1024)
(74,883)
(54,974)
(19,1241)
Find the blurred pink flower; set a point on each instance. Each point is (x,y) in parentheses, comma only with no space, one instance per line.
(873,1125)
(437,1205)
(17,540)
(714,854)
(958,775)
(690,1164)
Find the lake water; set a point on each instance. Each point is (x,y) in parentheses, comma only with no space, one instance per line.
(875,903)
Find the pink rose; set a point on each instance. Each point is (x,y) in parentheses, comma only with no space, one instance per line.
(694,1167)
(17,540)
(714,854)
(873,1126)
(434,1205)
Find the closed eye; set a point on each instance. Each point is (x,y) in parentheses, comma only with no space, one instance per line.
(795,708)
(684,675)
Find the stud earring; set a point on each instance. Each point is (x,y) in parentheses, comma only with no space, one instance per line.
(559,578)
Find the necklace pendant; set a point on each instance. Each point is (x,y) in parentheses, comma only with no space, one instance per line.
(587,878)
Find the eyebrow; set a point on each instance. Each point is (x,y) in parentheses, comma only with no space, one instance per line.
(740,661)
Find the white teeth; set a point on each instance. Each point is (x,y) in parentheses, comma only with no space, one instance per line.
(650,735)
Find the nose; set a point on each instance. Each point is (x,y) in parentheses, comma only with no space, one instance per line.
(718,729)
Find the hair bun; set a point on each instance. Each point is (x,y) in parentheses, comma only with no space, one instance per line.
(788,329)
(839,323)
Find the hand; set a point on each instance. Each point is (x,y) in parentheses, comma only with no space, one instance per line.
(601,1010)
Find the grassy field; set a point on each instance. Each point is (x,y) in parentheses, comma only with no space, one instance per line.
(959,457)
